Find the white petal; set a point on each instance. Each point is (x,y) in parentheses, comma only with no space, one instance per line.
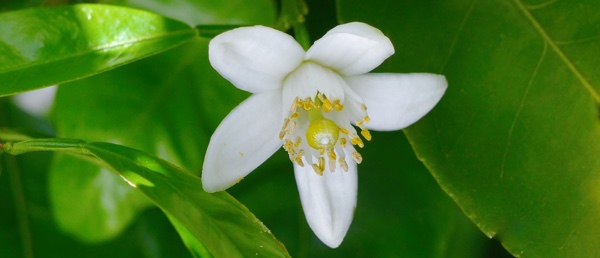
(328,200)
(352,48)
(309,79)
(255,59)
(395,101)
(245,139)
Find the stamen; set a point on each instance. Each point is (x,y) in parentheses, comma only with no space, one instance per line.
(298,158)
(337,105)
(357,157)
(332,158)
(295,115)
(298,141)
(365,133)
(343,164)
(343,142)
(355,140)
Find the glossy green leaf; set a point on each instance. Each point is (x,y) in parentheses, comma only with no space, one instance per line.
(104,204)
(515,140)
(221,223)
(28,228)
(151,95)
(46,46)
(217,220)
(195,12)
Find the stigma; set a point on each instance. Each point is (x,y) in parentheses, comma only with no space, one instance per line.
(318,131)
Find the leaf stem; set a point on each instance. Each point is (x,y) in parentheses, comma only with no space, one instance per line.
(50,144)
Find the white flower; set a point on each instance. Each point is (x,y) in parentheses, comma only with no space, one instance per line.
(307,101)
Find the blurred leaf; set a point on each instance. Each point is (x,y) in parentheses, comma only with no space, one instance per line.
(149,96)
(46,46)
(104,204)
(217,220)
(195,12)
(28,227)
(292,12)
(515,140)
(221,223)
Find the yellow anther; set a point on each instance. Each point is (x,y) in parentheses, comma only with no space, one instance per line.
(294,105)
(322,164)
(298,158)
(357,141)
(327,107)
(357,157)
(332,155)
(343,130)
(367,119)
(363,107)
(365,133)
(298,141)
(343,142)
(332,158)
(343,164)
(337,105)
(317,169)
(288,146)
(295,115)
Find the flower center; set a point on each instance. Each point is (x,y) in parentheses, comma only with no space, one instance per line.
(322,134)
(318,130)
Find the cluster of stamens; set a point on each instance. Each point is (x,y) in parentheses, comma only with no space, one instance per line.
(323,137)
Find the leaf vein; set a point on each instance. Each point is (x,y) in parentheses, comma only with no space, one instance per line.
(538,27)
(521,105)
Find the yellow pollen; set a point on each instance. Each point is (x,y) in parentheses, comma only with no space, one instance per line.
(322,134)
(286,122)
(298,141)
(337,105)
(332,158)
(365,133)
(343,142)
(357,157)
(357,141)
(343,164)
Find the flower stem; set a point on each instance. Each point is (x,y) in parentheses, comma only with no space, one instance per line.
(302,35)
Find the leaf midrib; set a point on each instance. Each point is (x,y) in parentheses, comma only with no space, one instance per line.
(538,27)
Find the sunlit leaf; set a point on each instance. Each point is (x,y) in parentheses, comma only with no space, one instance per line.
(220,222)
(46,46)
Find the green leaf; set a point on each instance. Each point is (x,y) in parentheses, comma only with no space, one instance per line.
(217,221)
(150,96)
(222,224)
(195,12)
(515,140)
(104,204)
(28,228)
(47,46)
